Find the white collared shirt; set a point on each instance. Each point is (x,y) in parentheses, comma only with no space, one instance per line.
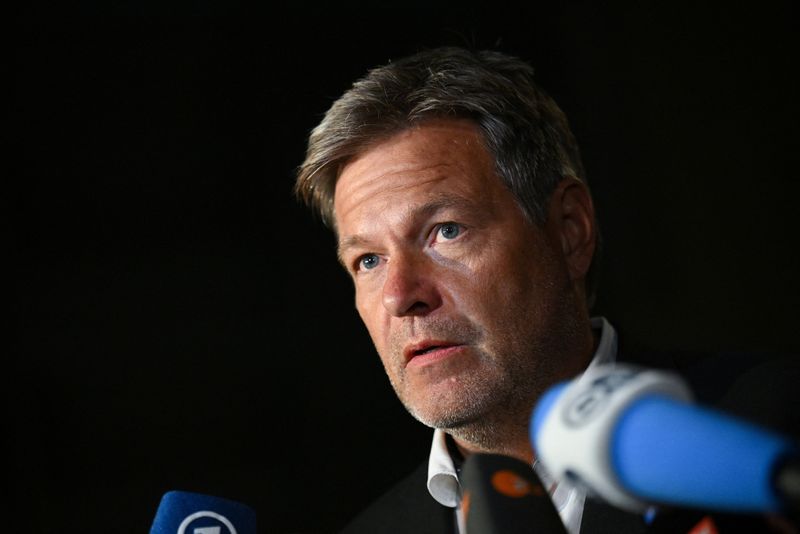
(443,482)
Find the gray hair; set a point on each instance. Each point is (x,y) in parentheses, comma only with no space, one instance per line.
(522,127)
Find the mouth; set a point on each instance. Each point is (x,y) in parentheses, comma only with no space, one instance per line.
(427,348)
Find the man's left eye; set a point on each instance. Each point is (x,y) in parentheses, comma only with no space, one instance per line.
(449,230)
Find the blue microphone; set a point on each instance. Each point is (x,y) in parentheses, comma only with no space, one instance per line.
(182,512)
(634,437)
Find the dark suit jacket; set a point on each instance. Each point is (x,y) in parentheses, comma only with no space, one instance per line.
(409,508)
(758,388)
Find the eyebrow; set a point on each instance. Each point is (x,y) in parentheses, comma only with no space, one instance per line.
(437,203)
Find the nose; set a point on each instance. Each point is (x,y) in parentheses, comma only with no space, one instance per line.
(410,287)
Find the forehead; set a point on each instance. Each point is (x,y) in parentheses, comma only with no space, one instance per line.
(436,159)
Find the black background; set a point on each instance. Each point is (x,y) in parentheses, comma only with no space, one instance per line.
(180,321)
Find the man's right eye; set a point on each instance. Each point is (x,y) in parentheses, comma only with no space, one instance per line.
(368,261)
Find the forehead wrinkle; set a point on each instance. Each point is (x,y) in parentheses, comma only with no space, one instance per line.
(391,180)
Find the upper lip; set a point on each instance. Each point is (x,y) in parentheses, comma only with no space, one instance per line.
(414,349)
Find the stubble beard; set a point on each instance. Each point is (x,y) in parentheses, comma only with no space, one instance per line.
(491,414)
(492,407)
(488,406)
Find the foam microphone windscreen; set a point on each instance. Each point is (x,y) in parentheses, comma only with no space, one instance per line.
(633,436)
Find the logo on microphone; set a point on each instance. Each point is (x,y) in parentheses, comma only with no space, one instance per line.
(584,407)
(510,484)
(206,522)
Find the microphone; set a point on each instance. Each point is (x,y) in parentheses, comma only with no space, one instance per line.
(634,437)
(502,495)
(182,512)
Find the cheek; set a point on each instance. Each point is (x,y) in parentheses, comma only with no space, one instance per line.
(514,287)
(368,305)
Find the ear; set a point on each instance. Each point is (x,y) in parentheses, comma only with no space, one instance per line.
(572,222)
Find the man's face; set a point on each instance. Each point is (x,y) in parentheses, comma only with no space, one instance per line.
(467,303)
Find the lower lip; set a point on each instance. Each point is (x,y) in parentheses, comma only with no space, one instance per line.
(434,356)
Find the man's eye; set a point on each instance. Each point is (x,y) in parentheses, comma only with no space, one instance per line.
(368,261)
(449,230)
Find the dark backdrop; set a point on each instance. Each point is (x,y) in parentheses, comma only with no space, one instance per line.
(180,322)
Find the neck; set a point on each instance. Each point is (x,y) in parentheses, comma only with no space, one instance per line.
(519,448)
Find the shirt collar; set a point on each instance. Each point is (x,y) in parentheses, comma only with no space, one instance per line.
(442,478)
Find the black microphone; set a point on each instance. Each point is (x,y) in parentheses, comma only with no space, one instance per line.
(634,437)
(182,512)
(503,495)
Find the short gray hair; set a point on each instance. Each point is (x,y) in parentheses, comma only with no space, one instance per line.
(522,127)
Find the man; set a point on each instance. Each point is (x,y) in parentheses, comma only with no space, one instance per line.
(457,194)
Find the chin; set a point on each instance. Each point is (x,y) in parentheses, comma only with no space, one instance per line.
(446,415)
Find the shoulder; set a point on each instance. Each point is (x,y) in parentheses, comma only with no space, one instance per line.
(405,507)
